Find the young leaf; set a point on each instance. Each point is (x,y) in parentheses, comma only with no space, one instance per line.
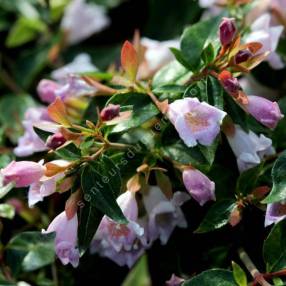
(214,277)
(239,275)
(217,216)
(278,192)
(129,60)
(57,112)
(7,211)
(274,248)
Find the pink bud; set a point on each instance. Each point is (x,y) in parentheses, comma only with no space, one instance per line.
(46,90)
(229,83)
(227,31)
(109,112)
(242,56)
(200,187)
(55,141)
(22,173)
(263,110)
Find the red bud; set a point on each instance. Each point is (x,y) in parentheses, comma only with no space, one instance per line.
(109,112)
(227,31)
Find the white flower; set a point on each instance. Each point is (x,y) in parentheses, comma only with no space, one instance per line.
(249,148)
(268,36)
(81,63)
(81,20)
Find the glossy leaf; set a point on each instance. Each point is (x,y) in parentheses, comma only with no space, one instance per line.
(217,216)
(278,192)
(239,275)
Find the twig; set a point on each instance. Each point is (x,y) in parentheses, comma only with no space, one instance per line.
(258,277)
(9,82)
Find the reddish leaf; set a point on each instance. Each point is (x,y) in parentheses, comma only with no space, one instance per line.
(129,60)
(57,112)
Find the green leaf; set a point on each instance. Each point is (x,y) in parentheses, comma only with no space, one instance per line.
(172,73)
(4,190)
(89,220)
(30,251)
(215,93)
(194,39)
(239,275)
(7,211)
(141,106)
(101,183)
(208,54)
(214,277)
(44,135)
(12,110)
(180,58)
(274,248)
(278,192)
(24,30)
(69,152)
(139,275)
(217,216)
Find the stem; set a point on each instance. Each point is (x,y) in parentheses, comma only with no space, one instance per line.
(258,277)
(55,274)
(9,82)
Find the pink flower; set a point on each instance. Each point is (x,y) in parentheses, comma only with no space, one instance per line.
(81,20)
(22,173)
(46,90)
(200,187)
(30,141)
(227,31)
(195,121)
(261,31)
(43,188)
(249,148)
(163,214)
(122,243)
(263,110)
(206,3)
(275,212)
(66,238)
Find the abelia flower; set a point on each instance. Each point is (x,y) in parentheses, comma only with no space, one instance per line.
(262,32)
(249,148)
(206,3)
(81,20)
(30,141)
(22,173)
(242,56)
(80,64)
(195,121)
(163,214)
(122,243)
(46,90)
(46,186)
(109,112)
(200,187)
(66,238)
(227,31)
(275,212)
(230,83)
(263,110)
(157,53)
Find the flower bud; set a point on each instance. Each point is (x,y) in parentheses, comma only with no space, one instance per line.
(242,56)
(22,173)
(227,31)
(46,90)
(55,141)
(109,112)
(200,187)
(263,110)
(229,83)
